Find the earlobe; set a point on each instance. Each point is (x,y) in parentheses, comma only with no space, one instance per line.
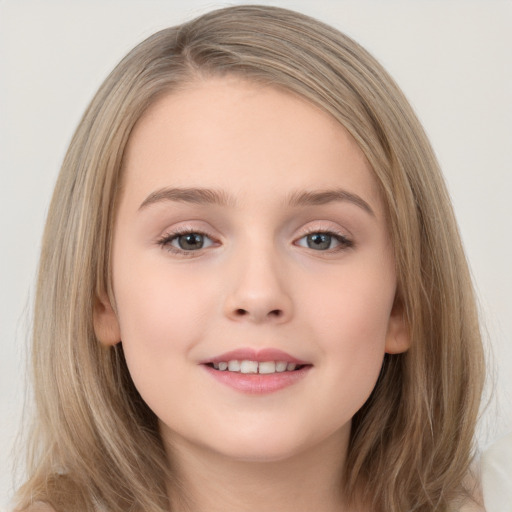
(398,338)
(106,325)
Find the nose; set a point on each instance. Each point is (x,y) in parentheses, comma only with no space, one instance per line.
(258,292)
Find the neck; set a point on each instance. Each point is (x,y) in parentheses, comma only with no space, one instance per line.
(209,481)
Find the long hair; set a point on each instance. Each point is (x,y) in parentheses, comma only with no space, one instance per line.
(96,443)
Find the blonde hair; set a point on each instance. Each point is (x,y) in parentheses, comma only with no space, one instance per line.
(96,443)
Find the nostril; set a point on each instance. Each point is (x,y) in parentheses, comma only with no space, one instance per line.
(258,315)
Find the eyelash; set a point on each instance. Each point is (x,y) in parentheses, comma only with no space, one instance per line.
(344,242)
(166,240)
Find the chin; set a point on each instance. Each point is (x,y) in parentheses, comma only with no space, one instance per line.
(263,455)
(262,447)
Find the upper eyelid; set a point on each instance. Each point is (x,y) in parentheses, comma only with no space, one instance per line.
(300,232)
(168,236)
(338,231)
(324,230)
(184,229)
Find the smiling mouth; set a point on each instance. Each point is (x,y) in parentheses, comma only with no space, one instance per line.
(257,372)
(256,367)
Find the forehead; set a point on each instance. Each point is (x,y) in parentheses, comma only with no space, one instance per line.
(237,135)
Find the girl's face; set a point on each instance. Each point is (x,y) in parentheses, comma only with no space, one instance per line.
(250,234)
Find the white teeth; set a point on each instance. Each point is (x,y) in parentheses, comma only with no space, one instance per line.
(267,367)
(281,366)
(234,366)
(247,366)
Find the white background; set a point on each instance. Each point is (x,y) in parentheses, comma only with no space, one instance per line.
(453,60)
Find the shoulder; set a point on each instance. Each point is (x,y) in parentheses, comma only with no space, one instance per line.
(472,500)
(471,506)
(472,503)
(497,474)
(497,458)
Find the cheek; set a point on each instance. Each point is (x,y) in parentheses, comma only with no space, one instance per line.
(162,317)
(355,303)
(351,318)
(160,313)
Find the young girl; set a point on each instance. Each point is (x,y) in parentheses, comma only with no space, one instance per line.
(252,291)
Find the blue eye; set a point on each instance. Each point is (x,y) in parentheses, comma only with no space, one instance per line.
(324,241)
(187,241)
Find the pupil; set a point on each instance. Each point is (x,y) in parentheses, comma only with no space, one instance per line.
(191,241)
(319,241)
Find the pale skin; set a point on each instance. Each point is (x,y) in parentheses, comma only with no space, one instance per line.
(290,251)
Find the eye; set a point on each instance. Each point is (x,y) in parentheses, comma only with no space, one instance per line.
(185,241)
(324,241)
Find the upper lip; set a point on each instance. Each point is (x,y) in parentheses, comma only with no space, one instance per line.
(250,354)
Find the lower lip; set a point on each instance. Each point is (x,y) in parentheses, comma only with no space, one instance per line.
(258,383)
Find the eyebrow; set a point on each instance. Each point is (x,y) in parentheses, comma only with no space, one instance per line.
(188,195)
(319,197)
(203,196)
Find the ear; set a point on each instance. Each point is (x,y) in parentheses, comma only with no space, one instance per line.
(106,325)
(398,338)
